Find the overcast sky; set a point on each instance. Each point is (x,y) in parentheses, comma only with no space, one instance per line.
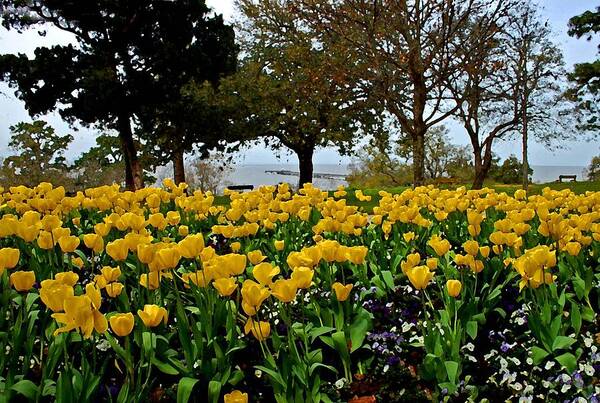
(557,12)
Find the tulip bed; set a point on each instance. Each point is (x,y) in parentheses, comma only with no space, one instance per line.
(161,295)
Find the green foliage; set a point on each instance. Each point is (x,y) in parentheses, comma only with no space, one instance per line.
(586,76)
(387,161)
(284,93)
(593,170)
(38,155)
(511,171)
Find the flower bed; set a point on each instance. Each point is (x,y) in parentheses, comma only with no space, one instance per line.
(161,295)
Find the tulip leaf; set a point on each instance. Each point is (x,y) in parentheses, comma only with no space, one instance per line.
(562,342)
(214,391)
(388,279)
(587,314)
(358,330)
(575,318)
(567,360)
(184,389)
(472,329)
(538,354)
(164,367)
(275,376)
(319,331)
(26,388)
(579,286)
(451,370)
(341,345)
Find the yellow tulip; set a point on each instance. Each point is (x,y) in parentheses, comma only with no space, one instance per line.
(573,248)
(255,257)
(264,273)
(158,221)
(485,251)
(420,277)
(111,273)
(28,232)
(284,290)
(471,247)
(341,291)
(77,262)
(80,314)
(151,280)
(234,264)
(183,230)
(122,323)
(60,232)
(45,240)
(94,242)
(357,254)
(235,246)
(152,315)
(439,245)
(225,286)
(145,252)
(412,260)
(102,229)
(200,278)
(302,276)
(454,287)
(53,293)
(432,263)
(167,258)
(113,290)
(408,236)
(260,330)
(191,246)
(173,217)
(69,243)
(235,397)
(117,249)
(253,295)
(22,280)
(68,277)
(9,257)
(279,245)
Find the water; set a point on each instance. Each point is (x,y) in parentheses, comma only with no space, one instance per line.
(255,174)
(549,173)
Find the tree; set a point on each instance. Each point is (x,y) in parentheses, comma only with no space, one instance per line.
(593,170)
(38,155)
(545,113)
(209,173)
(401,53)
(511,171)
(388,163)
(512,85)
(184,47)
(124,68)
(442,158)
(586,76)
(284,92)
(90,83)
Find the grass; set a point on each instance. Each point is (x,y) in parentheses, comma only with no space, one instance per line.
(577,187)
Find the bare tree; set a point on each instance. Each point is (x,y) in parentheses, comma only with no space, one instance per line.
(511,84)
(402,52)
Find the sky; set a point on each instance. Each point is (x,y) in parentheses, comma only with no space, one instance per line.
(557,12)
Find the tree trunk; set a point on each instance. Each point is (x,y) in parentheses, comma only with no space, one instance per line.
(133,170)
(525,159)
(418,139)
(305,164)
(482,164)
(178,167)
(480,173)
